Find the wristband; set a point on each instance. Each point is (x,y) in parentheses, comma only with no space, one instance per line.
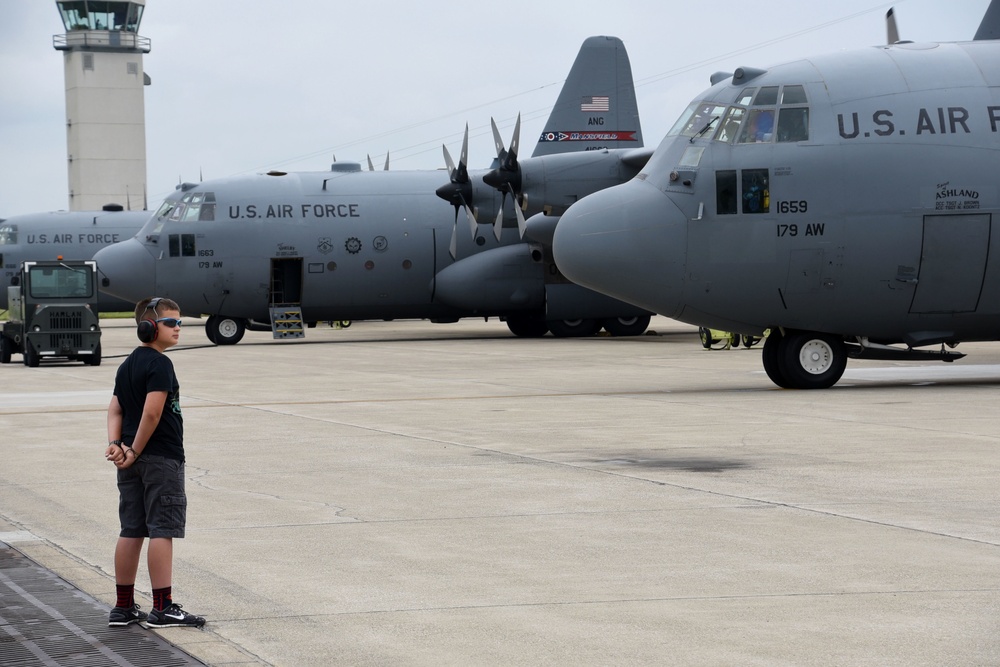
(116,442)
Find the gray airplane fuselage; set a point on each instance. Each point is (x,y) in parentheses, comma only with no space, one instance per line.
(880,223)
(69,235)
(353,245)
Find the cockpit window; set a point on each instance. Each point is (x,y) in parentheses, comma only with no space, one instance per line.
(193,206)
(730,124)
(698,119)
(165,208)
(793,124)
(759,127)
(745,96)
(768,120)
(793,95)
(767,97)
(8,234)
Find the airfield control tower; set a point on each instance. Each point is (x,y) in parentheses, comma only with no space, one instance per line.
(105,114)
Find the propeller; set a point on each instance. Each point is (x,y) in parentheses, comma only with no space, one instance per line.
(507,176)
(892,32)
(458,191)
(371,167)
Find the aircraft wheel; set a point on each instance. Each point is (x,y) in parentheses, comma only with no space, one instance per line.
(769,356)
(225,330)
(811,360)
(5,350)
(210,331)
(573,328)
(527,326)
(626,326)
(30,356)
(706,337)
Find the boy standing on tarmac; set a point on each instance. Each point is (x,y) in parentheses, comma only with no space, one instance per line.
(146,444)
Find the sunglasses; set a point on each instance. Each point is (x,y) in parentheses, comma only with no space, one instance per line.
(170,321)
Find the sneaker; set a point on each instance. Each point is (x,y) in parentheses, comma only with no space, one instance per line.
(173,616)
(122,616)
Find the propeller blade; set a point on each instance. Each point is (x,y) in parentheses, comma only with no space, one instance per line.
(473,225)
(449,163)
(386,161)
(371,167)
(892,33)
(498,223)
(521,224)
(463,160)
(497,141)
(453,246)
(515,140)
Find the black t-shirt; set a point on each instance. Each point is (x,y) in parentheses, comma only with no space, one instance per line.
(147,370)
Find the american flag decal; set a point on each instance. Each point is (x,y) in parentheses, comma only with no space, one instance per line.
(595,103)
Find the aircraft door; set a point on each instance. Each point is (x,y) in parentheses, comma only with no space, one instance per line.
(952,263)
(286,281)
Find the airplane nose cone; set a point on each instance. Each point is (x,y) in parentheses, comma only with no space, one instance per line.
(628,242)
(127,270)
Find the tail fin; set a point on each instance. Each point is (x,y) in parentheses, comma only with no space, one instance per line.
(990,27)
(596,108)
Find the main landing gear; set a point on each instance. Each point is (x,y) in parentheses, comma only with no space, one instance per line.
(224,330)
(804,359)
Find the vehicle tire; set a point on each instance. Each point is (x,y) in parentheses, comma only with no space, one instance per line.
(626,326)
(573,328)
(527,326)
(30,356)
(95,358)
(5,350)
(810,360)
(750,341)
(769,357)
(223,330)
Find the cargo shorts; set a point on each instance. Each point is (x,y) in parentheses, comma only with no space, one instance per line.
(151,499)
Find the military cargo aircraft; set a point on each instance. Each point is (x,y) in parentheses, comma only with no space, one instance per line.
(846,202)
(284,250)
(69,235)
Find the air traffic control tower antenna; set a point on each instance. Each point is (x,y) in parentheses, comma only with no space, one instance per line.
(105,114)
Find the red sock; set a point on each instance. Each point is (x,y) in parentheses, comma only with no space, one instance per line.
(161,598)
(126,595)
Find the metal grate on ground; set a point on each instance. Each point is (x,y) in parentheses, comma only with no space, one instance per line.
(46,621)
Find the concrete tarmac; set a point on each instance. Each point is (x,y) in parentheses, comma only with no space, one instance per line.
(423,494)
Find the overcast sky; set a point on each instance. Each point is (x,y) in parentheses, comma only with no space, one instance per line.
(241,86)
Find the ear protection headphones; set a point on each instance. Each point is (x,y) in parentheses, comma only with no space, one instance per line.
(147,329)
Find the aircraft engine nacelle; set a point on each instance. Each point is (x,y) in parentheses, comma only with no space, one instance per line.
(509,278)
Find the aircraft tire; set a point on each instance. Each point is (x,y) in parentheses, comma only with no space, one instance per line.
(526,326)
(223,330)
(706,337)
(574,328)
(626,326)
(810,360)
(209,331)
(769,357)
